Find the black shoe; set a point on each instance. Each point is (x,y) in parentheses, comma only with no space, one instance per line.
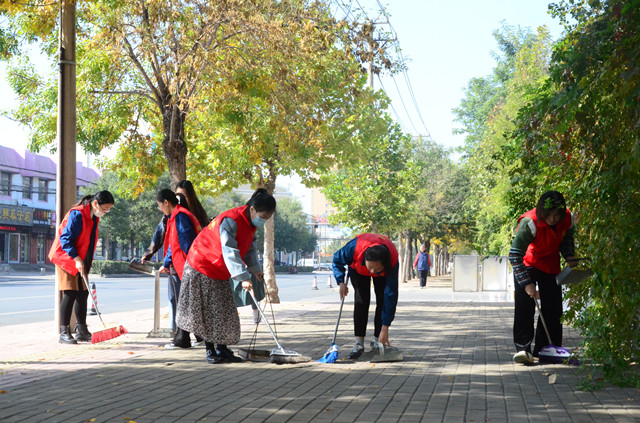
(213,358)
(82,333)
(182,339)
(356,352)
(227,354)
(65,336)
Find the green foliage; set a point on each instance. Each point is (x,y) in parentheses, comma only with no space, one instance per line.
(110,267)
(580,135)
(292,233)
(488,115)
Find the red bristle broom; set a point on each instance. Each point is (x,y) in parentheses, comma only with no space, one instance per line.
(107,333)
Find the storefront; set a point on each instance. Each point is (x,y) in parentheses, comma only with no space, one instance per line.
(15,233)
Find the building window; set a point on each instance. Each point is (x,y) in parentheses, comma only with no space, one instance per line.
(42,190)
(5,183)
(27,187)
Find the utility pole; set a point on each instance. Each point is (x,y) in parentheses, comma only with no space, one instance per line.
(66,154)
(373,43)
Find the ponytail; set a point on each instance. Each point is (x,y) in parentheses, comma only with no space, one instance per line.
(261,201)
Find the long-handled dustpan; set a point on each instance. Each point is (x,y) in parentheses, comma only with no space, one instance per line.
(551,353)
(107,333)
(570,276)
(280,355)
(331,356)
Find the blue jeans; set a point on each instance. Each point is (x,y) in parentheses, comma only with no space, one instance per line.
(174,294)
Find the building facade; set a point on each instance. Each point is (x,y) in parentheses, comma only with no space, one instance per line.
(28,204)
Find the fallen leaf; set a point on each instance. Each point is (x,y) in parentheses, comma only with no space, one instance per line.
(91,420)
(41,359)
(552,379)
(3,392)
(131,352)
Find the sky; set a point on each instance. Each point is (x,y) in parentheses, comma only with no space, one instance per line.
(446,43)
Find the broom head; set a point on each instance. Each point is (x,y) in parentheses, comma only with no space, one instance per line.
(107,334)
(331,356)
(554,355)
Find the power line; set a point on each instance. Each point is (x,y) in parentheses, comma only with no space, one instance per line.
(404,129)
(403,105)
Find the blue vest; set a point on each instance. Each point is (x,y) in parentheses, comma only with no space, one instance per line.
(423,261)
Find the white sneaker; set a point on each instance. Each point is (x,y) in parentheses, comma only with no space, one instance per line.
(256,316)
(523,357)
(197,344)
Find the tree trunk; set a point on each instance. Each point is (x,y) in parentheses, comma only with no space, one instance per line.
(107,243)
(407,257)
(173,143)
(267,262)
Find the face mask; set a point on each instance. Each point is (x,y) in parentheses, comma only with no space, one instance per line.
(99,214)
(258,221)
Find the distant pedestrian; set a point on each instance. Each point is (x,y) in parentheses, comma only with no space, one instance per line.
(72,253)
(369,256)
(543,234)
(223,252)
(422,263)
(182,229)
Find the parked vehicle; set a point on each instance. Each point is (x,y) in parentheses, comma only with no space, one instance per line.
(308,263)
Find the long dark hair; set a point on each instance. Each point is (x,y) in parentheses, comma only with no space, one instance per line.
(551,202)
(167,194)
(192,203)
(379,253)
(261,201)
(103,197)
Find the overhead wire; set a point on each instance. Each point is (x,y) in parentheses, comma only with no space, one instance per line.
(395,112)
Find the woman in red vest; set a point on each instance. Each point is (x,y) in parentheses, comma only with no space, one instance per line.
(225,251)
(543,234)
(369,256)
(72,253)
(182,229)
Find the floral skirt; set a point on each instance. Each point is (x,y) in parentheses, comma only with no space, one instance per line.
(206,308)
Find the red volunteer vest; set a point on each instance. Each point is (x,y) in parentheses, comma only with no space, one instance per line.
(58,256)
(543,253)
(205,254)
(178,257)
(364,241)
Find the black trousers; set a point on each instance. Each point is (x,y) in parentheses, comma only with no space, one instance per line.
(423,277)
(71,297)
(551,304)
(362,299)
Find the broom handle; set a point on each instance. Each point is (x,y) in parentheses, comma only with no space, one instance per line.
(544,324)
(335,332)
(86,283)
(265,319)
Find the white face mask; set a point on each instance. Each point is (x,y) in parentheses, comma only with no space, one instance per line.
(99,214)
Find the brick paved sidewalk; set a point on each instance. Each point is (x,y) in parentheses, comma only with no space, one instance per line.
(457,368)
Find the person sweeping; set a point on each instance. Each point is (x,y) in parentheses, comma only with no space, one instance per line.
(369,256)
(543,234)
(72,254)
(224,252)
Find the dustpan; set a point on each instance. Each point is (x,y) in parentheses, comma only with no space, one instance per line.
(386,355)
(570,276)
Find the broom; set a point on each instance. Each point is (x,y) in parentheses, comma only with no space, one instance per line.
(107,333)
(280,355)
(331,356)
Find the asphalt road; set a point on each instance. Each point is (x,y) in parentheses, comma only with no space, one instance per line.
(30,297)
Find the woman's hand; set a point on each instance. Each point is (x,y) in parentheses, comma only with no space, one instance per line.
(163,270)
(79,264)
(383,338)
(344,289)
(571,261)
(259,274)
(246,285)
(531,290)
